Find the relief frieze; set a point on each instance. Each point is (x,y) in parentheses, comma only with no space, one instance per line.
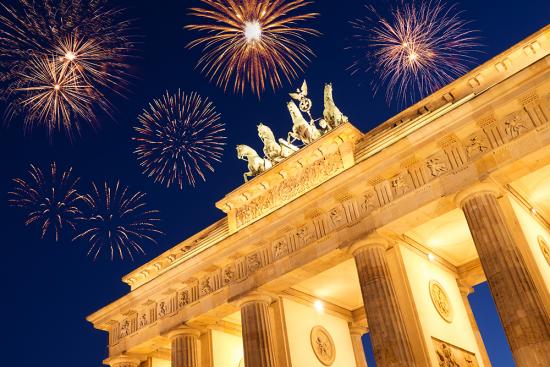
(290,188)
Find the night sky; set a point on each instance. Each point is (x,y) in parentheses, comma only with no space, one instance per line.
(49,288)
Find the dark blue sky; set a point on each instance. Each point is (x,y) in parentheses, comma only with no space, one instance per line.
(50,288)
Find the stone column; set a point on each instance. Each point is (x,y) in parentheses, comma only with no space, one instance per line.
(356,333)
(464,292)
(390,342)
(258,343)
(123,361)
(185,345)
(525,321)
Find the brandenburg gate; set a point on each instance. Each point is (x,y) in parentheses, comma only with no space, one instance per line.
(383,232)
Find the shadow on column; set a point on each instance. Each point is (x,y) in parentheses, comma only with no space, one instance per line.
(490,327)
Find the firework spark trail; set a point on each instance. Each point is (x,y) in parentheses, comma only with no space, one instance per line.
(252,42)
(180,135)
(95,41)
(117,220)
(51,200)
(420,48)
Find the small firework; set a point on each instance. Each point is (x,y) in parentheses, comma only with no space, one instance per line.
(420,48)
(85,38)
(51,200)
(252,42)
(117,221)
(180,135)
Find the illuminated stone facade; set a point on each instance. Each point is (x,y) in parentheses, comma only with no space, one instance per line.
(385,232)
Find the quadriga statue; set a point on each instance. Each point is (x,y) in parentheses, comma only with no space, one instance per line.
(301,129)
(274,150)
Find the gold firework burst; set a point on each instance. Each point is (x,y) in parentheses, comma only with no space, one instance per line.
(252,42)
(54,94)
(87,45)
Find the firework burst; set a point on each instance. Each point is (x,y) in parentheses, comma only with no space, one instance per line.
(50,199)
(53,95)
(252,43)
(418,49)
(88,41)
(180,136)
(117,221)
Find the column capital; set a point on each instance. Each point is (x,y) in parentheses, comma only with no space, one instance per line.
(255,296)
(358,330)
(477,189)
(122,361)
(184,331)
(372,240)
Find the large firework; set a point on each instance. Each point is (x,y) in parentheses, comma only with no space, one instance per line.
(252,43)
(419,48)
(117,221)
(50,199)
(180,136)
(86,40)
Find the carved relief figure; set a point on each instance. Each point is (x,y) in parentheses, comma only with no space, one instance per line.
(323,345)
(445,355)
(301,129)
(162,309)
(142,320)
(302,234)
(125,328)
(183,298)
(256,164)
(273,150)
(280,248)
(206,286)
(368,203)
(228,274)
(449,355)
(253,262)
(400,185)
(477,144)
(337,215)
(332,117)
(514,126)
(436,167)
(441,301)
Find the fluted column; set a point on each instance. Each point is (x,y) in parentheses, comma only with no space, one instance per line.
(123,361)
(387,329)
(356,333)
(525,321)
(258,342)
(185,347)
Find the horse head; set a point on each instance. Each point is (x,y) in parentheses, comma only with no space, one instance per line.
(328,93)
(244,151)
(295,113)
(265,133)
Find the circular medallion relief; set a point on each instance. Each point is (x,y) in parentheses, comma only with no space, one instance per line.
(323,345)
(544,248)
(440,300)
